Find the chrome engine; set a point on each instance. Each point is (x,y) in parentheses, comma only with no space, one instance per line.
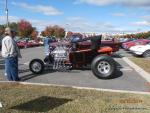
(60,55)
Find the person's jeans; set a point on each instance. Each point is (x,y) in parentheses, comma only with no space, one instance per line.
(46,49)
(5,73)
(12,68)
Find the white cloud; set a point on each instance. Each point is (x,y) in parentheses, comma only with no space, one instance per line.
(75,24)
(11,19)
(46,10)
(95,2)
(142,23)
(78,24)
(131,3)
(118,14)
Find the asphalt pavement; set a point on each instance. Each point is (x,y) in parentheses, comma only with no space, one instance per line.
(126,77)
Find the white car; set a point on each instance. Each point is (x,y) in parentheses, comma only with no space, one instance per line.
(143,50)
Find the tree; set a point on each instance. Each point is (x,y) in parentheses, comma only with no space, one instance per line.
(49,31)
(2,29)
(34,35)
(25,29)
(43,34)
(56,31)
(13,26)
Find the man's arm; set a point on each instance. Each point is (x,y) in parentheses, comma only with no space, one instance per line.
(11,47)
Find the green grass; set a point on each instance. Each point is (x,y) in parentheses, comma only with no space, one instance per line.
(142,62)
(17,98)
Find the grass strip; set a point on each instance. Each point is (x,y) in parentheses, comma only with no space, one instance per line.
(18,98)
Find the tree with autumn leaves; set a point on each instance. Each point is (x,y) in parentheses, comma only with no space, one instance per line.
(25,29)
(12,25)
(56,31)
(34,34)
(141,35)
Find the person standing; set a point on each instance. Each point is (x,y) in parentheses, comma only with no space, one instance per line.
(26,43)
(46,45)
(11,53)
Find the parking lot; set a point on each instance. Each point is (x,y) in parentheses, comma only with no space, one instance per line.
(126,77)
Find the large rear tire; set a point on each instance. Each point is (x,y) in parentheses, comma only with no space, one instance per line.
(36,66)
(103,67)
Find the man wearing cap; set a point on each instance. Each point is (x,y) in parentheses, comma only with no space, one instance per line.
(11,53)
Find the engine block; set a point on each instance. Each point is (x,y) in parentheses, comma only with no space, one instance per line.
(61,55)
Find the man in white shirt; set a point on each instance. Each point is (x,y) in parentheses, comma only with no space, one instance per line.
(11,53)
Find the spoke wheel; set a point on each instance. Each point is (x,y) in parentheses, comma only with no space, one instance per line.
(36,66)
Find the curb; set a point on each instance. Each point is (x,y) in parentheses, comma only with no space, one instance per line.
(138,69)
(84,88)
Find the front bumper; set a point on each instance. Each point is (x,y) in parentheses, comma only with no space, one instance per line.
(137,52)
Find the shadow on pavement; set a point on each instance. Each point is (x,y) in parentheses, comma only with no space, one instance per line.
(117,74)
(41,104)
(32,75)
(116,55)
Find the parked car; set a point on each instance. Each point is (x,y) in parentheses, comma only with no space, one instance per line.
(21,43)
(33,43)
(127,45)
(143,50)
(122,40)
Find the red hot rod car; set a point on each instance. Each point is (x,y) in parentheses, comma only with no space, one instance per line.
(69,57)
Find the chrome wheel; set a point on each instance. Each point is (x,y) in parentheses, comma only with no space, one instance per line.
(147,53)
(104,67)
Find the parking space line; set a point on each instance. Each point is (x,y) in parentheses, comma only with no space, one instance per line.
(138,69)
(126,69)
(26,63)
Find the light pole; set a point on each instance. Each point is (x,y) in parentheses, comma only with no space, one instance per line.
(67,29)
(6,11)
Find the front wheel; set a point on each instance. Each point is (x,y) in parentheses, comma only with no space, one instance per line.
(36,66)
(103,67)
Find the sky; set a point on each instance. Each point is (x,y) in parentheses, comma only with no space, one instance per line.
(84,16)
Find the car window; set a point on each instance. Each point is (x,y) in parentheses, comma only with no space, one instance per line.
(148,43)
(137,43)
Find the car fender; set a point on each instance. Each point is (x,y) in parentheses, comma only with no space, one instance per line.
(105,49)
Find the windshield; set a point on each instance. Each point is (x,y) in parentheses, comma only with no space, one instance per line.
(75,38)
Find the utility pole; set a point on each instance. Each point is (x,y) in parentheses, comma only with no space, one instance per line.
(67,29)
(6,11)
